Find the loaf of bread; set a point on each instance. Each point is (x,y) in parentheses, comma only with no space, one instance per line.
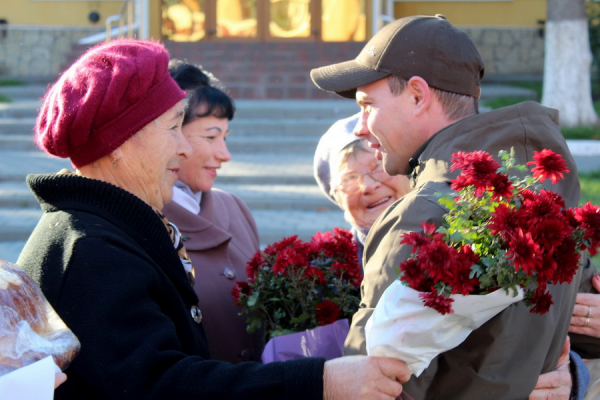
(30,329)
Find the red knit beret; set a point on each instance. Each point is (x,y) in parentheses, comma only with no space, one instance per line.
(104,98)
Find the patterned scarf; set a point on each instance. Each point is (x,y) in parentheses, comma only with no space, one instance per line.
(178,244)
(185,260)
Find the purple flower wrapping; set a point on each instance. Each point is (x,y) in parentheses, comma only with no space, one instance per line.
(324,341)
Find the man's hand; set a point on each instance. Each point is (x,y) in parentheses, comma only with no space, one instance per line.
(555,385)
(362,377)
(586,314)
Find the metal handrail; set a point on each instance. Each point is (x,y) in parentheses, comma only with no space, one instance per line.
(127,7)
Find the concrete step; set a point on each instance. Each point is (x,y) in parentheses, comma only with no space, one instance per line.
(18,223)
(280,167)
(17,126)
(24,92)
(281,127)
(488,90)
(306,197)
(9,251)
(20,109)
(273,225)
(252,127)
(295,109)
(16,194)
(251,167)
(237,144)
(16,165)
(266,197)
(17,142)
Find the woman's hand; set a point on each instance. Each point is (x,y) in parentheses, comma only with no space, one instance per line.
(586,314)
(555,385)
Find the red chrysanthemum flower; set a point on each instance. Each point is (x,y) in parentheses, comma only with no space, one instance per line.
(240,288)
(411,272)
(254,264)
(327,312)
(289,257)
(440,303)
(463,283)
(288,242)
(502,188)
(459,183)
(524,252)
(478,169)
(428,229)
(437,259)
(316,274)
(415,239)
(588,217)
(537,207)
(549,165)
(549,233)
(348,270)
(567,260)
(503,220)
(542,301)
(570,216)
(479,162)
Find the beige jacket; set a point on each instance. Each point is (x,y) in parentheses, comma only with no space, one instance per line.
(504,358)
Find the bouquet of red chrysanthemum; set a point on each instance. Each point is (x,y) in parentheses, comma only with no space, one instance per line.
(503,239)
(294,286)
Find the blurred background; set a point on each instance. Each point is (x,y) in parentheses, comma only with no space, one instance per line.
(262,51)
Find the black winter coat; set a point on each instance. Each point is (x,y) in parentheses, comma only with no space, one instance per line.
(105,262)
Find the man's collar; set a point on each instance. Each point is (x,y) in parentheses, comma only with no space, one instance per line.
(415,160)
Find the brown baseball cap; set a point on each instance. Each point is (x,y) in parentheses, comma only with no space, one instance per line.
(425,46)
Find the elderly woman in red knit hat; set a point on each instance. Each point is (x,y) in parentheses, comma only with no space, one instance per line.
(114,268)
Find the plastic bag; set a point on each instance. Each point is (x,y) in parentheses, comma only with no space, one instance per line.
(30,329)
(324,341)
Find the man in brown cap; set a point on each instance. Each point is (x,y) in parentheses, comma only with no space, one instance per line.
(417,82)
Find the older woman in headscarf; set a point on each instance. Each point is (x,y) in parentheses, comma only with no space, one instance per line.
(350,175)
(113,268)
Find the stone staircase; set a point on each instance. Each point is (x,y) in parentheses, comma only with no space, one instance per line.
(272,143)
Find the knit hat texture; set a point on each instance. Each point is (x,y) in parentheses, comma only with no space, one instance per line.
(104,98)
(337,137)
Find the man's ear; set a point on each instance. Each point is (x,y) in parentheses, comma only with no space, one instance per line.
(420,94)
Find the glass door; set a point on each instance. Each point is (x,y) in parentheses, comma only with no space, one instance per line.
(328,20)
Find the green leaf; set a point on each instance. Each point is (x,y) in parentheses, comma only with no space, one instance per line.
(253,298)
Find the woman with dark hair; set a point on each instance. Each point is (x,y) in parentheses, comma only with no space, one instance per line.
(220,233)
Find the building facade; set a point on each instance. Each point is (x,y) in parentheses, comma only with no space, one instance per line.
(258,48)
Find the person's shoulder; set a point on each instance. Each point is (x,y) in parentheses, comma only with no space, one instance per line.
(227,198)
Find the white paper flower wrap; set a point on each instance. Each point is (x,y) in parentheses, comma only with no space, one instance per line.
(402,327)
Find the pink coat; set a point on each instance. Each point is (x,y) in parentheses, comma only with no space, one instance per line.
(220,240)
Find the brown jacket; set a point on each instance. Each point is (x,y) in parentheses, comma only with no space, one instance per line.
(220,240)
(504,358)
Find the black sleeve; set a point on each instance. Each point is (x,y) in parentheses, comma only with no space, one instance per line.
(121,308)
